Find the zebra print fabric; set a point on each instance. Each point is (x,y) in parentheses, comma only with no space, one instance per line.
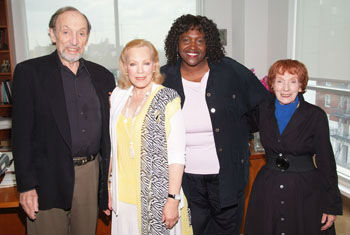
(154,164)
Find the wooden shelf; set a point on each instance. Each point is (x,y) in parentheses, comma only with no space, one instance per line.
(5,110)
(9,197)
(12,217)
(5,55)
(4,78)
(5,105)
(5,135)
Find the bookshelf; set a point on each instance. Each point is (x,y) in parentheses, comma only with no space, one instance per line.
(6,70)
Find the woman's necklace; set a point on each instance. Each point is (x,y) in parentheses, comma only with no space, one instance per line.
(133,117)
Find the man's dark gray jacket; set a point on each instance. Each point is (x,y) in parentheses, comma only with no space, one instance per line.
(41,132)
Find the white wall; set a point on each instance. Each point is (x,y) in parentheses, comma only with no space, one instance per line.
(221,14)
(18,15)
(278,30)
(256,36)
(257,30)
(238,35)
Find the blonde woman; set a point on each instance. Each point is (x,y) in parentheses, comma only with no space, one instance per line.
(148,147)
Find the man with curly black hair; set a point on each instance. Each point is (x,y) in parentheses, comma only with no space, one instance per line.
(219,92)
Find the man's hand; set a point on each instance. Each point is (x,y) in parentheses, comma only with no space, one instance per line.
(29,203)
(328,220)
(108,211)
(170,213)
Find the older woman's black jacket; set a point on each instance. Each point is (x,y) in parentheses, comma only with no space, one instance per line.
(232,90)
(293,202)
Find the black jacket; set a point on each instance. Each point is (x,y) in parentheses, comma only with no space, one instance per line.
(307,133)
(41,133)
(232,90)
(300,198)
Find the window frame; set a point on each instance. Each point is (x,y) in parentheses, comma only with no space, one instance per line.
(324,86)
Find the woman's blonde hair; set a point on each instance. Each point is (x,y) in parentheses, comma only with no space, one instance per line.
(123,79)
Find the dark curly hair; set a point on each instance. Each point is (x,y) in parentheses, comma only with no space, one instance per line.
(215,50)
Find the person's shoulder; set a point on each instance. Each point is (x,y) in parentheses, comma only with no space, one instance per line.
(229,61)
(101,74)
(267,103)
(42,60)
(314,109)
(228,64)
(168,69)
(233,70)
(38,66)
(170,74)
(168,91)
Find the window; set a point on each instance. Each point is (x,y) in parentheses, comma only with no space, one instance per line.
(327,101)
(114,23)
(323,44)
(341,103)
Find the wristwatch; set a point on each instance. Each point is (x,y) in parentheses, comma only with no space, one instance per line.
(174,196)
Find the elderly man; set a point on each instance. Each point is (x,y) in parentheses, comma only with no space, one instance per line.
(61,143)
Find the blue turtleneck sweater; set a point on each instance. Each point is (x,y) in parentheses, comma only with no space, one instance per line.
(284,112)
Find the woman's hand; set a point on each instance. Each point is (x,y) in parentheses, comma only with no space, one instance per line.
(328,219)
(170,213)
(171,207)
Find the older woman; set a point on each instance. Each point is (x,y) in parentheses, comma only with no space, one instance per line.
(148,148)
(292,194)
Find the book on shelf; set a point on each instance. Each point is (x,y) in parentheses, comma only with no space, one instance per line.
(6,92)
